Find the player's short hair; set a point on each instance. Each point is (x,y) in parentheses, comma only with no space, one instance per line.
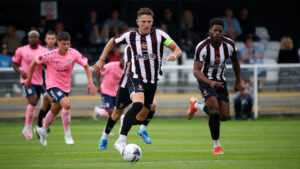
(51,33)
(63,36)
(33,32)
(145,11)
(216,21)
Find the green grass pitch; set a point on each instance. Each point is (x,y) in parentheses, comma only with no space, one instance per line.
(177,143)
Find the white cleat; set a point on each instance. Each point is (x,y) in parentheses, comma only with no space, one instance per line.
(121,123)
(120,146)
(26,133)
(69,140)
(43,135)
(96,115)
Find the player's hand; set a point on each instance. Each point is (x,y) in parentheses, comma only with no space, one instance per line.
(237,86)
(92,89)
(99,65)
(24,75)
(171,57)
(27,84)
(216,85)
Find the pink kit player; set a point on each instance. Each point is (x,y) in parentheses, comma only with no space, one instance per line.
(60,63)
(112,72)
(22,58)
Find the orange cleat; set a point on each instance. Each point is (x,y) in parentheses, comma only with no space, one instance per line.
(218,150)
(192,110)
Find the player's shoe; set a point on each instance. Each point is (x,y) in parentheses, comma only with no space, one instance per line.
(120,146)
(96,115)
(35,132)
(68,139)
(26,133)
(43,135)
(192,110)
(145,136)
(121,122)
(103,144)
(218,150)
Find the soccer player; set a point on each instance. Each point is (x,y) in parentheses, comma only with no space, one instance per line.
(123,100)
(60,63)
(108,88)
(147,46)
(209,66)
(22,59)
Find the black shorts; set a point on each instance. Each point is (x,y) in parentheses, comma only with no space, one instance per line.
(221,93)
(149,90)
(123,98)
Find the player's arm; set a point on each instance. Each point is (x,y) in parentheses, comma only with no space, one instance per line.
(100,63)
(98,75)
(202,78)
(175,48)
(236,68)
(27,82)
(17,69)
(90,85)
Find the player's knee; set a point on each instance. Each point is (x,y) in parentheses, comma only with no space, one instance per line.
(213,109)
(67,106)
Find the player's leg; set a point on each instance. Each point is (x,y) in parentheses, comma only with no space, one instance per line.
(66,119)
(106,104)
(136,89)
(46,106)
(32,100)
(142,130)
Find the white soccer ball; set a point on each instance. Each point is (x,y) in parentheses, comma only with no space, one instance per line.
(132,153)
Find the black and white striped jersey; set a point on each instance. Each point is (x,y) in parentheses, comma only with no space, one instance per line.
(127,58)
(147,53)
(214,58)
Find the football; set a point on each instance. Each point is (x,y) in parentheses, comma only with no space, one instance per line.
(132,153)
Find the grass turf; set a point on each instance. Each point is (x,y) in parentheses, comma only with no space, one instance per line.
(177,143)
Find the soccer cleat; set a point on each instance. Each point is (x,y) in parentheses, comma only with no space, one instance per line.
(68,139)
(103,144)
(145,136)
(96,115)
(192,110)
(120,146)
(218,150)
(43,135)
(121,123)
(36,133)
(26,133)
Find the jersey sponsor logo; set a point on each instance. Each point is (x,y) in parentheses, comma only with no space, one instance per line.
(145,56)
(215,66)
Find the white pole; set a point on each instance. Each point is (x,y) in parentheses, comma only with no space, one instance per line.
(255,92)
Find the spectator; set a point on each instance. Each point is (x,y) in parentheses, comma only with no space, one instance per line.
(43,27)
(59,27)
(232,28)
(253,54)
(287,54)
(243,101)
(246,24)
(115,25)
(5,61)
(189,37)
(93,30)
(12,41)
(168,24)
(116,55)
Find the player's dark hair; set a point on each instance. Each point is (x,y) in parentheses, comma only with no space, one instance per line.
(216,21)
(145,11)
(51,33)
(63,36)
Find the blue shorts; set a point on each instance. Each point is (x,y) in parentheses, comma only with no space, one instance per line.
(33,90)
(108,102)
(57,94)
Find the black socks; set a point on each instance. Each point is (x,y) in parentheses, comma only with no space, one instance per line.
(214,125)
(130,117)
(109,125)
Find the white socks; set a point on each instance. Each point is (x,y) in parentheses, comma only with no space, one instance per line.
(216,143)
(199,106)
(122,138)
(104,135)
(67,132)
(143,127)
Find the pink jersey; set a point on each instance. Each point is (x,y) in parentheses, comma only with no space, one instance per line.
(24,56)
(112,75)
(59,68)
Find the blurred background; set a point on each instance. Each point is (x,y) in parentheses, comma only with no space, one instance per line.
(266,35)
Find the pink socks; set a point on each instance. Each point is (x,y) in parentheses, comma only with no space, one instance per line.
(30,112)
(48,119)
(66,118)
